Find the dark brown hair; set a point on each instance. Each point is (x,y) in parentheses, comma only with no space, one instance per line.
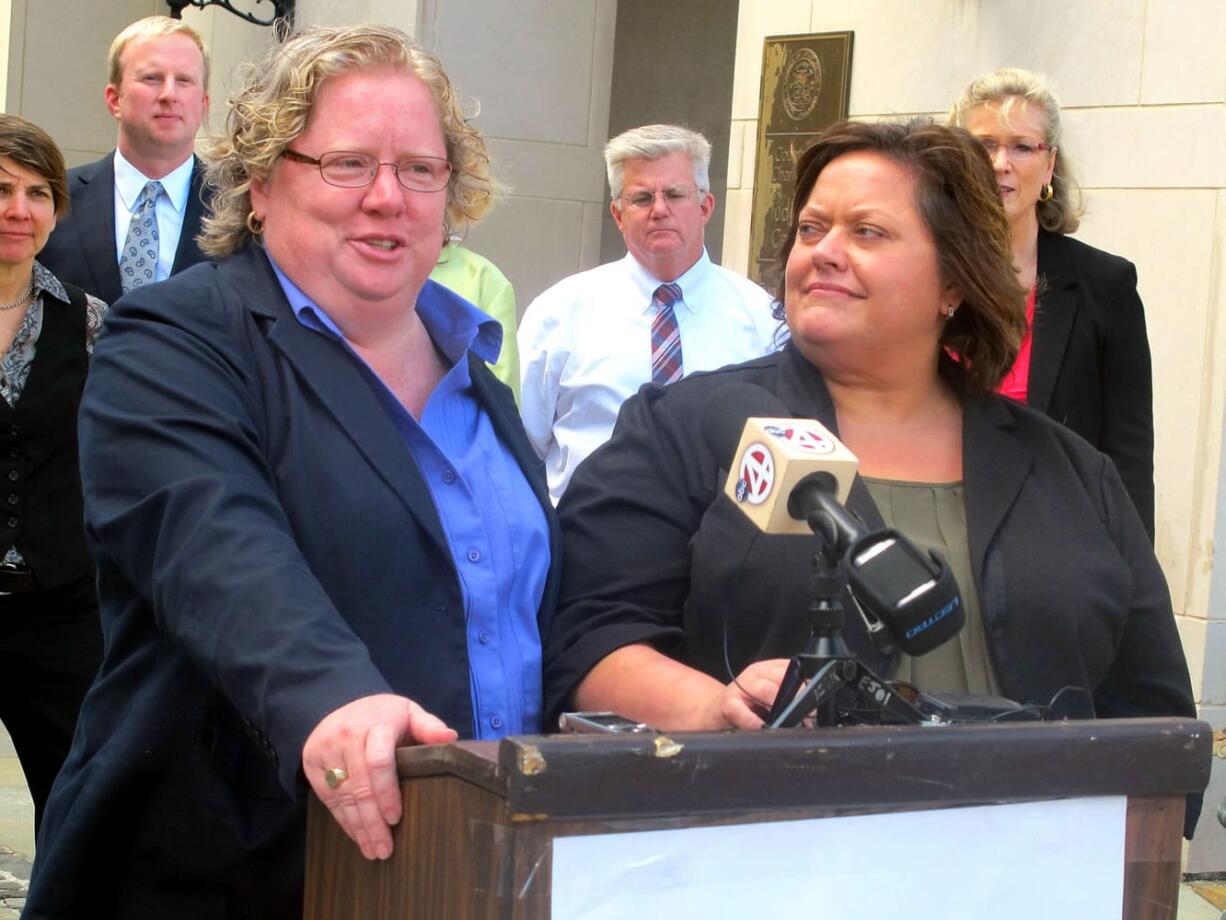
(32,148)
(957,197)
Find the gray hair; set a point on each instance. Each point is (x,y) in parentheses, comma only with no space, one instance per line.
(1008,88)
(651,142)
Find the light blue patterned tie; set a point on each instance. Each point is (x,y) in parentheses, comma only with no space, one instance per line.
(139,262)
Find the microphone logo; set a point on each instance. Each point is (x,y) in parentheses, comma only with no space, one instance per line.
(805,438)
(757,474)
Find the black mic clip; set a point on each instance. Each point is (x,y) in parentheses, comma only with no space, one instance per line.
(913,594)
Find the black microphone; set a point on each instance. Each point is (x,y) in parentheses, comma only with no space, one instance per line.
(791,476)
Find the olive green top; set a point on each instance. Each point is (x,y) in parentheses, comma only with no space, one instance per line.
(933,516)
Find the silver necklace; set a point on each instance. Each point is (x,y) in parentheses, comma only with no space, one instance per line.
(22,299)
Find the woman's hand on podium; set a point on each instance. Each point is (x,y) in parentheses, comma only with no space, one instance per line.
(350,761)
(744,702)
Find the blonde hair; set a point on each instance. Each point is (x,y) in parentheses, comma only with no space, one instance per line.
(1008,88)
(267,114)
(150,27)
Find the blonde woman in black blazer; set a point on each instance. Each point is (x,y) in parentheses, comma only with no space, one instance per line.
(1086,361)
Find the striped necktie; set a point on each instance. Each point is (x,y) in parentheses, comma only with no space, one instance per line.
(665,336)
(139,262)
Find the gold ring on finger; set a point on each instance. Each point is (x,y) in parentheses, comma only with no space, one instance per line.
(335,777)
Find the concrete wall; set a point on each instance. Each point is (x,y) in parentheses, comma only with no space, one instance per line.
(542,78)
(1142,83)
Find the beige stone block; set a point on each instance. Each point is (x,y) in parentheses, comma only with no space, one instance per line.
(399,13)
(906,57)
(1158,147)
(535,241)
(758,19)
(543,170)
(736,142)
(1183,52)
(1169,236)
(1090,50)
(1208,589)
(532,70)
(604,30)
(589,241)
(737,208)
(63,92)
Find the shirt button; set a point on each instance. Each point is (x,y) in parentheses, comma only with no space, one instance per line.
(15,430)
(495,721)
(14,499)
(449,476)
(13,522)
(14,475)
(474,555)
(484,637)
(15,452)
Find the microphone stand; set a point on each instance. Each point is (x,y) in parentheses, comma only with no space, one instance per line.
(825,665)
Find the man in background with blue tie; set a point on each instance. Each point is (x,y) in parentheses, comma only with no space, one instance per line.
(662,311)
(136,212)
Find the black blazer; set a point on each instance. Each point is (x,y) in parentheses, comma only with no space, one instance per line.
(267,552)
(81,250)
(1069,588)
(1090,363)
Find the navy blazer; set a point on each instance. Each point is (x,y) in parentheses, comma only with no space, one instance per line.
(1090,363)
(81,250)
(267,552)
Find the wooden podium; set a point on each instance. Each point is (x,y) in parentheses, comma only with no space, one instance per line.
(477,839)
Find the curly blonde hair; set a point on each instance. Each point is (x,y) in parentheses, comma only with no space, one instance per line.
(272,109)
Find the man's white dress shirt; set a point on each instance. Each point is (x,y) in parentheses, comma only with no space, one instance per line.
(170,208)
(585,346)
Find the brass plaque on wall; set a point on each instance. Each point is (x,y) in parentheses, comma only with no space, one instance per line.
(806,85)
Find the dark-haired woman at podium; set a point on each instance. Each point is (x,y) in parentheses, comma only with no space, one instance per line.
(898,289)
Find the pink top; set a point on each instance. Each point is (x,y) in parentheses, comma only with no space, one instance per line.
(1017,382)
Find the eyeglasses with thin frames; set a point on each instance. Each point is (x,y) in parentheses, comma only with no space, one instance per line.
(346,169)
(644,200)
(1014,150)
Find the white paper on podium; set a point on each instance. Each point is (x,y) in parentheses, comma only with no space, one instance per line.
(1049,859)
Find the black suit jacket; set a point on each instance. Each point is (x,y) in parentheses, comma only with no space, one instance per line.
(81,250)
(1069,588)
(1090,362)
(267,552)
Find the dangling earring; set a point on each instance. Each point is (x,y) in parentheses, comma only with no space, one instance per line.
(949,312)
(1047,193)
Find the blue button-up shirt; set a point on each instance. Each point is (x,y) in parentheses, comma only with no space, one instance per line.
(494,525)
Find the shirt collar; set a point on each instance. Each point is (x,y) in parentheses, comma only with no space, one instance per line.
(44,280)
(176,184)
(455,325)
(646,283)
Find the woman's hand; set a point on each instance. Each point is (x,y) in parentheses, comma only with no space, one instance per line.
(350,761)
(643,684)
(744,702)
